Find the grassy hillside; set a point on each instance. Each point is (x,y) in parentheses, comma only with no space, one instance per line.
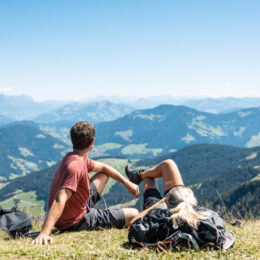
(24,149)
(113,244)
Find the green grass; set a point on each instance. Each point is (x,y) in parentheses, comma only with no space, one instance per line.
(113,244)
(125,134)
(257,178)
(133,149)
(100,150)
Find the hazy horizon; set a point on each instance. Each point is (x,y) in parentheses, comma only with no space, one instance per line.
(132,98)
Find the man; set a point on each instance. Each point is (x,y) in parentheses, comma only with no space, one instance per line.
(73,194)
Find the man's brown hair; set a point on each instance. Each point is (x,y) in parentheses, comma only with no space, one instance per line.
(82,134)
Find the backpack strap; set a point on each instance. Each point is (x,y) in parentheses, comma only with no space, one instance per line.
(217,234)
(171,241)
(143,213)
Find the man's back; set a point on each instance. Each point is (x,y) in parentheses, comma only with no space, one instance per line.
(72,174)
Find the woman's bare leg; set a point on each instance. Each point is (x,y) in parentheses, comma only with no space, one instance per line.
(149,183)
(168,170)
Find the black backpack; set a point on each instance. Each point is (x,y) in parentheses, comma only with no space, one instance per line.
(156,227)
(15,222)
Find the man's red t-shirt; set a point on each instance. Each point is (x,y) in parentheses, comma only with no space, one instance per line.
(72,174)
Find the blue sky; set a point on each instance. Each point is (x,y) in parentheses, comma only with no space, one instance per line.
(59,49)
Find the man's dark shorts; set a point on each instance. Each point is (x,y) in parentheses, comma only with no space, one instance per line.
(98,218)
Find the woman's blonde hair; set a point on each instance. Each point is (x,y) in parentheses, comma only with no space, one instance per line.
(181,201)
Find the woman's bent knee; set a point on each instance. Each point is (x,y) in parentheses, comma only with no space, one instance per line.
(169,163)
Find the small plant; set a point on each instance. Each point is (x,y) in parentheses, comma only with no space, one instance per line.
(16,202)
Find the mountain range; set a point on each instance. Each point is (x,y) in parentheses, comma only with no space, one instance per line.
(222,105)
(205,104)
(94,112)
(157,131)
(167,128)
(59,121)
(24,107)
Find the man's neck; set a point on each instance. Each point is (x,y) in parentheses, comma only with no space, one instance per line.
(83,153)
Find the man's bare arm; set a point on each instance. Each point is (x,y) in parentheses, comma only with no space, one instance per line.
(114,174)
(53,215)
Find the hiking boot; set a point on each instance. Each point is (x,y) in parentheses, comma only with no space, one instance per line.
(133,175)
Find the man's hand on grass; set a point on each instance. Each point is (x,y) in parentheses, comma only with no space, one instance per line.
(58,204)
(42,240)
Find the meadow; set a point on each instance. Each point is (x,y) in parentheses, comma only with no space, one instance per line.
(113,244)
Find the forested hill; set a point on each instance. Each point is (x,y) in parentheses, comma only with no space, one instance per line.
(242,201)
(203,161)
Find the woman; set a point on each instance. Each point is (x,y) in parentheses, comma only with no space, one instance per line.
(178,210)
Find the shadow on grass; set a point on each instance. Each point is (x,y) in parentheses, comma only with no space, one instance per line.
(127,245)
